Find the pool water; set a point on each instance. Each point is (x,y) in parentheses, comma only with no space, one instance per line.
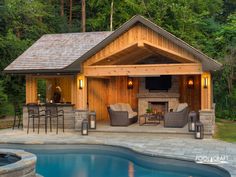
(97,161)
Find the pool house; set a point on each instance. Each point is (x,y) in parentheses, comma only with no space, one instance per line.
(139,65)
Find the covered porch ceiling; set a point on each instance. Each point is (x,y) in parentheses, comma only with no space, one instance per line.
(141,59)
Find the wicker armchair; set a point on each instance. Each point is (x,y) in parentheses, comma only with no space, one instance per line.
(176,119)
(121,118)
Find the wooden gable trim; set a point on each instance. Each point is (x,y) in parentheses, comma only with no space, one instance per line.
(143,70)
(137,36)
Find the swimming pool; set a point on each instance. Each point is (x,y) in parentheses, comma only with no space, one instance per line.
(111,161)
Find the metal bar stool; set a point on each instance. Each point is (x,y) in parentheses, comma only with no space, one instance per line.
(35,113)
(53,112)
(17,114)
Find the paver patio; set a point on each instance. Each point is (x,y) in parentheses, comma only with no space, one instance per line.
(165,145)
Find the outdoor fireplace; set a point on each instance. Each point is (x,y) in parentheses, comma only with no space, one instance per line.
(158,107)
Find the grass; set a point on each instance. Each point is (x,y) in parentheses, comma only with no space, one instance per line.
(225,130)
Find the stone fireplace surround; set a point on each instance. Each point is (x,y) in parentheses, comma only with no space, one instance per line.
(144,100)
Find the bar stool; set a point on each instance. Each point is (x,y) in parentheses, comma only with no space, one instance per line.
(35,113)
(53,112)
(17,115)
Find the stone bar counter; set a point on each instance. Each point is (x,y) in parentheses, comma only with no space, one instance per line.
(69,118)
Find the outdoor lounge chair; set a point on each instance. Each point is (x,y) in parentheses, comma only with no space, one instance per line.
(121,114)
(177,119)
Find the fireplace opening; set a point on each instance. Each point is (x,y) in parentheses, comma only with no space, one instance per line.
(158,107)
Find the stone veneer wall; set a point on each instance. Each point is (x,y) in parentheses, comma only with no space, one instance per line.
(207,117)
(80,115)
(171,96)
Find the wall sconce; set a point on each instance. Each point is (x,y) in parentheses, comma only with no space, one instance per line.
(190,82)
(81,84)
(130,84)
(205,84)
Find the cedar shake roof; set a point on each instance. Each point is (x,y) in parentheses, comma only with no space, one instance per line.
(55,51)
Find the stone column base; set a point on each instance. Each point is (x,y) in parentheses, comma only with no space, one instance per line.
(207,117)
(80,115)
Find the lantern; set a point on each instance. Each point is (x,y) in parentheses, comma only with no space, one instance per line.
(130,83)
(192,119)
(92,120)
(199,134)
(190,82)
(84,127)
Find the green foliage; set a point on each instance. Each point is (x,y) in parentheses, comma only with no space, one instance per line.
(3,100)
(41,85)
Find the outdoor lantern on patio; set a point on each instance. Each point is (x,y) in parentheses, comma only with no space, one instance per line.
(92,120)
(84,127)
(199,130)
(130,84)
(192,119)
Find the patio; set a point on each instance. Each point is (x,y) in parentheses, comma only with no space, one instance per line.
(104,127)
(154,144)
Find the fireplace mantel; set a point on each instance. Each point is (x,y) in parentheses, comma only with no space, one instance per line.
(158,95)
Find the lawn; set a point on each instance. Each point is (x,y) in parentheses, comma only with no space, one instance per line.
(225,130)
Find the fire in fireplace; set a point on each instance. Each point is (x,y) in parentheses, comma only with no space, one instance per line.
(158,107)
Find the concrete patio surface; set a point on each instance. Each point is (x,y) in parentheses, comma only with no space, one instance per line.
(185,147)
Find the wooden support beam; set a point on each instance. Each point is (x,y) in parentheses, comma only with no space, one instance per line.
(143,70)
(81,93)
(206,92)
(122,50)
(168,53)
(31,89)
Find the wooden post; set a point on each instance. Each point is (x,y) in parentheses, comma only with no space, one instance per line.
(31,89)
(81,92)
(206,89)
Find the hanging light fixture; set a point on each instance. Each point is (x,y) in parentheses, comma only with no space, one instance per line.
(130,84)
(81,83)
(205,83)
(190,82)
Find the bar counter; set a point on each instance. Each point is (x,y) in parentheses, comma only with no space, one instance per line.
(69,118)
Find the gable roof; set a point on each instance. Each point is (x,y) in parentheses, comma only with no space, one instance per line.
(66,52)
(53,52)
(208,63)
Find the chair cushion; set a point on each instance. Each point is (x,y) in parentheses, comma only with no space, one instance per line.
(115,107)
(181,106)
(133,114)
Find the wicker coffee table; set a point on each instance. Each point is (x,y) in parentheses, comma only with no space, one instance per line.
(149,119)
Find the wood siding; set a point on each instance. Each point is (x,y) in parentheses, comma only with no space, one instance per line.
(97,97)
(133,38)
(31,89)
(192,96)
(206,93)
(103,92)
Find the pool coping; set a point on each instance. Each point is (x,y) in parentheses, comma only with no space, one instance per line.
(27,162)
